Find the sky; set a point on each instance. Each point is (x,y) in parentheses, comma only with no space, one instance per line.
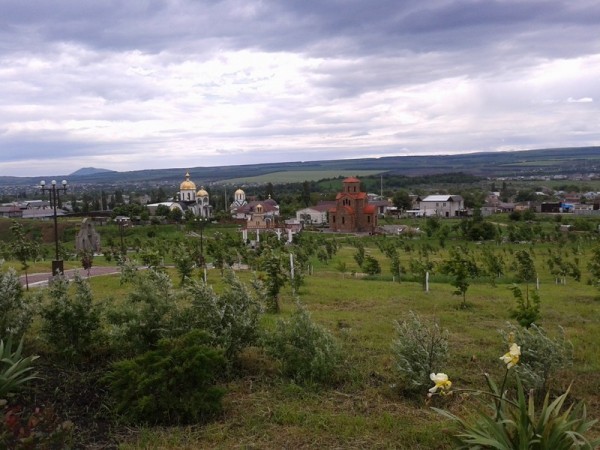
(147,84)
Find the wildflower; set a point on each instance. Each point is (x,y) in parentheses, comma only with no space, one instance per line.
(512,357)
(441,382)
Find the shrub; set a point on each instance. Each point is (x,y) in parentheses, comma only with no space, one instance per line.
(371,265)
(420,349)
(528,310)
(70,323)
(541,355)
(15,370)
(307,352)
(139,323)
(174,384)
(232,319)
(17,312)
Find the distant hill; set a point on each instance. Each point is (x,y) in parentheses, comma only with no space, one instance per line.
(484,164)
(85,171)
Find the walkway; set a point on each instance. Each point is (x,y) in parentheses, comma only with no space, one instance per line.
(41,279)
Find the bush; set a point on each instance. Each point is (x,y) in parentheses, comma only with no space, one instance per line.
(307,352)
(147,316)
(528,310)
(232,319)
(419,350)
(371,265)
(70,323)
(17,312)
(174,384)
(541,355)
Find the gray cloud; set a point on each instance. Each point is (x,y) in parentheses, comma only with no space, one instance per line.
(199,82)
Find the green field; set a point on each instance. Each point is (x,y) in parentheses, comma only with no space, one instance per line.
(365,405)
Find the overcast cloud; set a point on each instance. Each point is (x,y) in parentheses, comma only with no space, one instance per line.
(129,85)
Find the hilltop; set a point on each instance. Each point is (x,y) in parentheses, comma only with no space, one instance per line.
(487,164)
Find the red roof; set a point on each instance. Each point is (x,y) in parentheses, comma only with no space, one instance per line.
(351,195)
(369,209)
(351,180)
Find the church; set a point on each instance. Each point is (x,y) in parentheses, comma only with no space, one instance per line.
(352,212)
(188,199)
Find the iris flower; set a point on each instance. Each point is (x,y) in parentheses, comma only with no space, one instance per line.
(512,357)
(441,382)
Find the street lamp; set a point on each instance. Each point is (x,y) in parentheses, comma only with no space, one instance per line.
(54,195)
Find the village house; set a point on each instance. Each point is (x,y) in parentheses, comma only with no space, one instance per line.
(315,215)
(442,205)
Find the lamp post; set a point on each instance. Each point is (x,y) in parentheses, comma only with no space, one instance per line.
(54,195)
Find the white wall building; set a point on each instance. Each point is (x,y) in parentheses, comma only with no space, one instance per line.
(441,205)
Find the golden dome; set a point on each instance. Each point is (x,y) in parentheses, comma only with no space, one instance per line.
(187,185)
(202,192)
(239,191)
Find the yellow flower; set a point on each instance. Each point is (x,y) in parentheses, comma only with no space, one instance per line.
(512,357)
(441,382)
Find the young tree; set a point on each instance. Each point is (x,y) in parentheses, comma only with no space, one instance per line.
(493,264)
(420,268)
(371,265)
(396,267)
(462,267)
(276,277)
(359,256)
(528,309)
(594,266)
(23,249)
(184,262)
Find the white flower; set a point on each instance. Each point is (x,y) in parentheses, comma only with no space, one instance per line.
(512,357)
(441,382)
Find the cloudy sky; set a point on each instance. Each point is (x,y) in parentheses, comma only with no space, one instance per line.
(135,84)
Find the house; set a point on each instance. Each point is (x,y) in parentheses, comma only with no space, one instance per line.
(352,212)
(442,205)
(314,215)
(550,207)
(10,211)
(381,206)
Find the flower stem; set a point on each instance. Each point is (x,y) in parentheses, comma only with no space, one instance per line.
(499,402)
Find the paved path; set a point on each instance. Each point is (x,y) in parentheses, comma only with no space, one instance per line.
(41,279)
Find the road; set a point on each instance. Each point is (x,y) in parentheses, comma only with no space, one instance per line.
(41,279)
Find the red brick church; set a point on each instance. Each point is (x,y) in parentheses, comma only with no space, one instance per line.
(352,212)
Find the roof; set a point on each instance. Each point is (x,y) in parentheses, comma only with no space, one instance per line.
(351,195)
(323,206)
(351,180)
(369,209)
(251,207)
(442,198)
(187,185)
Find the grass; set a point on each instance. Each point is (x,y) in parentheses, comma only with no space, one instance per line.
(364,408)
